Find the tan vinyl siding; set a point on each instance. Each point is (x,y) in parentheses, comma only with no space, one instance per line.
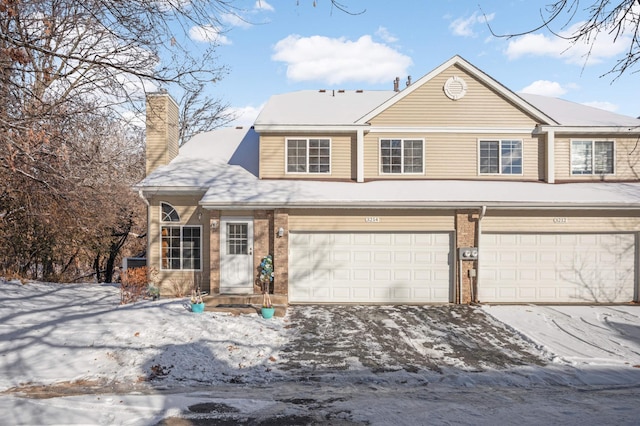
(453,156)
(273,153)
(429,106)
(627,160)
(560,221)
(187,208)
(371,220)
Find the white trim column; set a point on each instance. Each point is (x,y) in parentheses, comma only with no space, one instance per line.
(551,156)
(360,155)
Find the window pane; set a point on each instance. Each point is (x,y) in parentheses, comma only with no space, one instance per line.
(191,247)
(391,155)
(581,158)
(603,157)
(413,156)
(237,238)
(489,157)
(319,157)
(511,157)
(170,255)
(297,155)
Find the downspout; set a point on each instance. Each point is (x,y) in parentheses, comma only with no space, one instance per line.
(140,194)
(474,288)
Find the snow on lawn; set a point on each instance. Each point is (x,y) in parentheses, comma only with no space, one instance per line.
(78,332)
(150,360)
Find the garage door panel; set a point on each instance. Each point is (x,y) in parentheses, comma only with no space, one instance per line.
(564,268)
(370,267)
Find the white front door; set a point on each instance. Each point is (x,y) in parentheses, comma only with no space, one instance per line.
(236,255)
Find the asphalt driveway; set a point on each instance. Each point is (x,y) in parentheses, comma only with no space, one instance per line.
(380,339)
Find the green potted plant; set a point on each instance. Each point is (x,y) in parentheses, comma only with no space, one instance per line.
(266,278)
(197,304)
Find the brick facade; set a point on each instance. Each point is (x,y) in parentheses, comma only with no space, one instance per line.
(281,252)
(466,225)
(214,251)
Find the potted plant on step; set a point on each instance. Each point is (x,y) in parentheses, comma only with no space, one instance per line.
(197,304)
(266,278)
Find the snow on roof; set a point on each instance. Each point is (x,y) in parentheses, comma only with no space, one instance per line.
(569,113)
(249,191)
(207,159)
(224,163)
(321,107)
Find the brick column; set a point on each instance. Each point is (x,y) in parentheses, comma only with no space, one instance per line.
(281,252)
(466,222)
(260,244)
(214,252)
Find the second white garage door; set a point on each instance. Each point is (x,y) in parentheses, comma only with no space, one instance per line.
(563,268)
(370,267)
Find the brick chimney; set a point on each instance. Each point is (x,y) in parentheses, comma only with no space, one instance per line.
(162,130)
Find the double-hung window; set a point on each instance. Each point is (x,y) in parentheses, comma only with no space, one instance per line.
(181,244)
(401,156)
(591,157)
(500,157)
(308,156)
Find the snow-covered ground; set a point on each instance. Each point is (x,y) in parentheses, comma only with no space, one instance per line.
(70,354)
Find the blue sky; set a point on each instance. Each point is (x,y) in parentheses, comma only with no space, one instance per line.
(286,45)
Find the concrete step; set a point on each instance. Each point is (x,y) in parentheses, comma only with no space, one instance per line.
(238,304)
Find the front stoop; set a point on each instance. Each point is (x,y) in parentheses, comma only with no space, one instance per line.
(237,304)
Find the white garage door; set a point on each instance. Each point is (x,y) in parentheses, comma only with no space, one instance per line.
(565,268)
(369,267)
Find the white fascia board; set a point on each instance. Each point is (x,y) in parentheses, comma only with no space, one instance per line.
(148,191)
(589,130)
(314,128)
(480,75)
(479,130)
(412,205)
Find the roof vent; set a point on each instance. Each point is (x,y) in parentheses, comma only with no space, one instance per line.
(396,84)
(359,91)
(239,127)
(322,90)
(340,90)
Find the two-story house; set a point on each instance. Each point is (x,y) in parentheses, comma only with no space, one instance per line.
(450,189)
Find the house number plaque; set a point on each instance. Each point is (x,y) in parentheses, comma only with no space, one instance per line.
(372,219)
(560,220)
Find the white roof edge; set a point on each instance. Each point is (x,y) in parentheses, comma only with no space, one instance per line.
(426,205)
(458,60)
(390,129)
(589,129)
(170,190)
(309,128)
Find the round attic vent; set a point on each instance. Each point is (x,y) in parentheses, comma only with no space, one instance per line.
(455,88)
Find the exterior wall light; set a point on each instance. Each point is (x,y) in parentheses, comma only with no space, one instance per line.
(280,232)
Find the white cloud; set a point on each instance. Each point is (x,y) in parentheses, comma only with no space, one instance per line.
(545,88)
(608,106)
(245,116)
(385,35)
(464,26)
(337,60)
(603,47)
(263,5)
(208,34)
(234,20)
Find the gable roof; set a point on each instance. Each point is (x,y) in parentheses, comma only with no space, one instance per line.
(477,73)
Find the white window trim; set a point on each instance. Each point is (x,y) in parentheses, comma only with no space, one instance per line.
(402,172)
(593,157)
(174,225)
(286,156)
(479,141)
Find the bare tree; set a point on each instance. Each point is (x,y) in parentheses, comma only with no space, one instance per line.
(618,19)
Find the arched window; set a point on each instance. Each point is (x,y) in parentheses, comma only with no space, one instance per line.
(169,214)
(181,245)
